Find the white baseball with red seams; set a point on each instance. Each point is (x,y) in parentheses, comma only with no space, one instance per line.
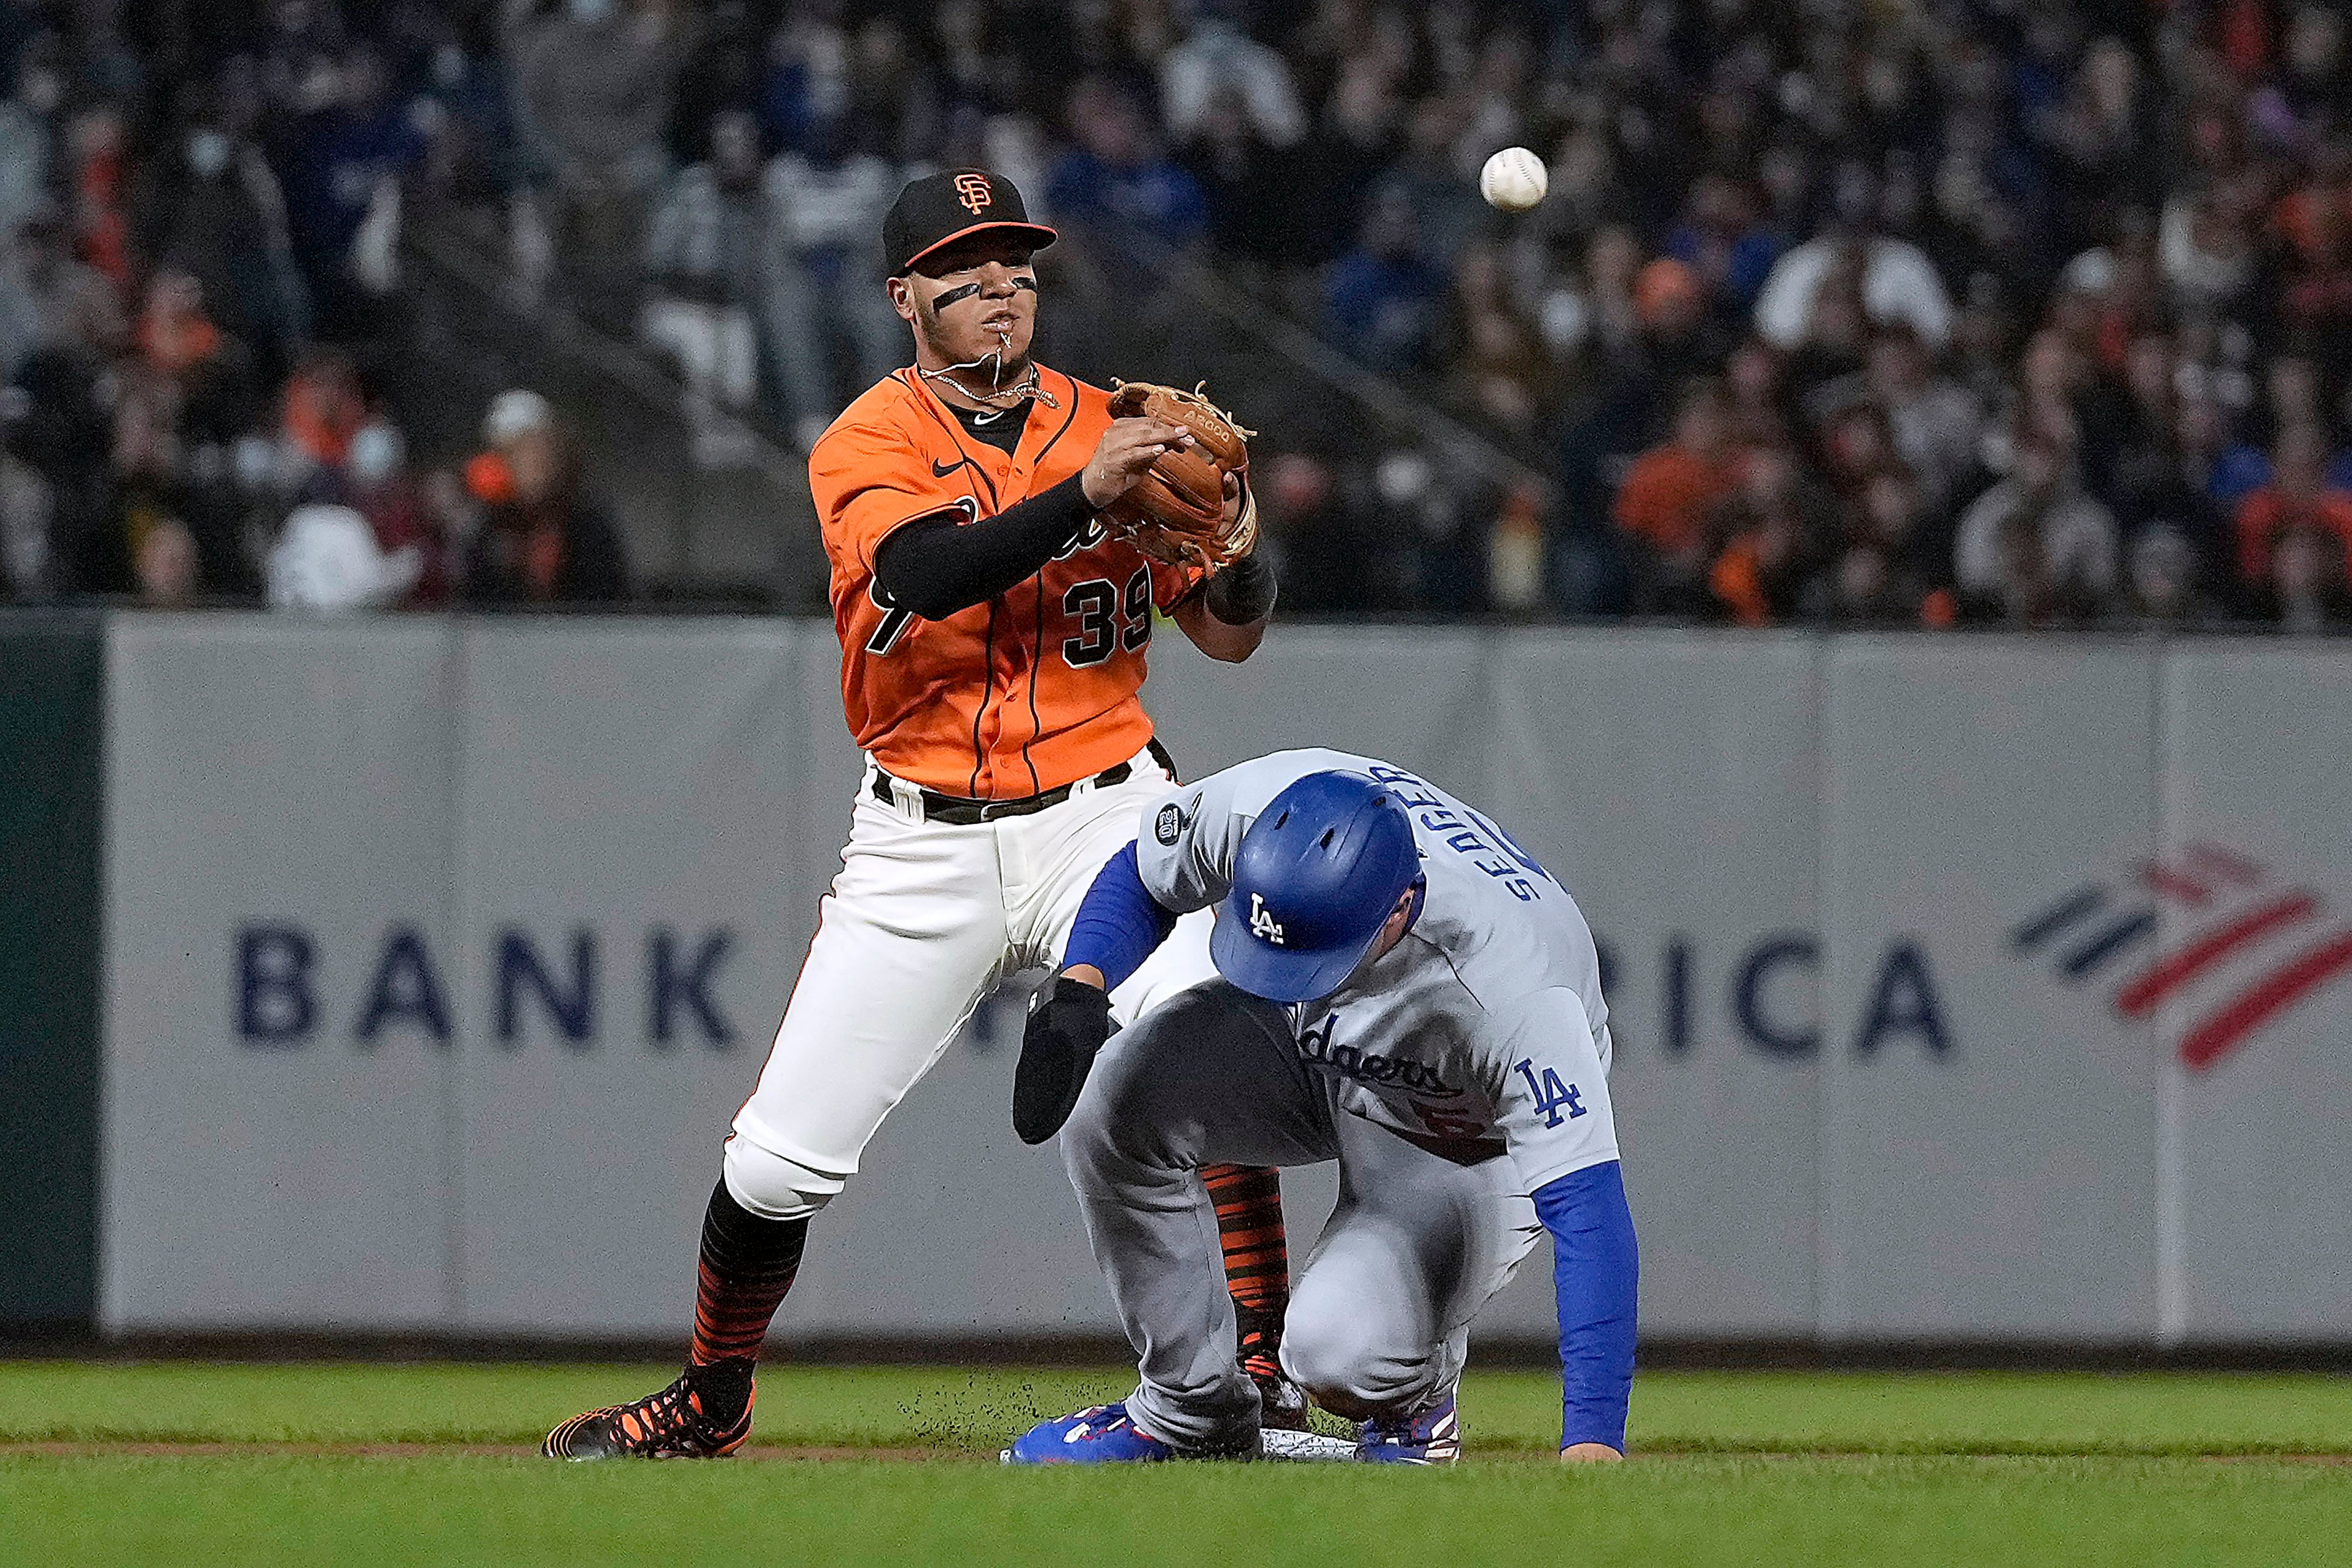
(1513,180)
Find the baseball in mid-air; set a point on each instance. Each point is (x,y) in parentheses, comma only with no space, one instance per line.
(1512,180)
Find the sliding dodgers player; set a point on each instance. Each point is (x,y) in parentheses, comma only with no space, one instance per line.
(1403,989)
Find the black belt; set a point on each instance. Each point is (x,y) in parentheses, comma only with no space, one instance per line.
(956,811)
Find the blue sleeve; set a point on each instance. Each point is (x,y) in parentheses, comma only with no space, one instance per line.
(1120,924)
(1595,1269)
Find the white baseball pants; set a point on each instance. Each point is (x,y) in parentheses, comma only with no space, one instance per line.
(921,923)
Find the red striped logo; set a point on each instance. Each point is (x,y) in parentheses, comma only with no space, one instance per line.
(2249,955)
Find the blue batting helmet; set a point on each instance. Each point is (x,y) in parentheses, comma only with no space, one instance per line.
(1313,882)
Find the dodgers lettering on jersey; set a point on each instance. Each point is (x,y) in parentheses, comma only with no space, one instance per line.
(1035,688)
(1483,1031)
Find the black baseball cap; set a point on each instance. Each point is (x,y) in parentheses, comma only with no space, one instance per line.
(939,209)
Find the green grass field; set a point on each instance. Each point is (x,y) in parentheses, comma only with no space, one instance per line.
(432,1464)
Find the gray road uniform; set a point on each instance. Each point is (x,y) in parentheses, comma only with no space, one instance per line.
(1452,1077)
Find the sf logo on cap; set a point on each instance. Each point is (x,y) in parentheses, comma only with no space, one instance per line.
(1261,922)
(973,191)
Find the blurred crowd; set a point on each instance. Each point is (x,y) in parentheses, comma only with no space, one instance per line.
(1888,313)
(201,290)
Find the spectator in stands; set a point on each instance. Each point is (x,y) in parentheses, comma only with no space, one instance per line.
(1668,505)
(52,303)
(327,560)
(1428,178)
(2225,470)
(1220,72)
(2207,247)
(387,496)
(593,83)
(1382,300)
(343,167)
(1863,586)
(2304,583)
(830,326)
(464,109)
(1896,280)
(167,570)
(544,542)
(322,409)
(208,205)
(1937,427)
(721,68)
(2145,476)
(1757,406)
(1115,183)
(1777,528)
(1823,370)
(2035,547)
(710,249)
(96,178)
(209,375)
(1250,188)
(2106,139)
(2168,574)
(1499,371)
(1722,237)
(807,76)
(27,529)
(1612,264)
(1429,546)
(143,537)
(1315,547)
(28,132)
(2297,497)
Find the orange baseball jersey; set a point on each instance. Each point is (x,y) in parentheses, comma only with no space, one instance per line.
(1038,687)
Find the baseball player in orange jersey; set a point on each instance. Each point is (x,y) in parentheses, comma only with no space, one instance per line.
(993,637)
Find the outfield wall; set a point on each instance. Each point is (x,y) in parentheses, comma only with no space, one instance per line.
(1972,988)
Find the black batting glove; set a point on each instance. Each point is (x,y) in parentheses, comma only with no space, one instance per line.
(1069,1022)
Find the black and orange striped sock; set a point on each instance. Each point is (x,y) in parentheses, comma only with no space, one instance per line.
(747,1265)
(1257,1255)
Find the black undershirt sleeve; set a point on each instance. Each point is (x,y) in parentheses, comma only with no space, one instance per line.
(938,565)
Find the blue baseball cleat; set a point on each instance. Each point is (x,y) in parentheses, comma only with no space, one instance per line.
(1098,1435)
(1431,1437)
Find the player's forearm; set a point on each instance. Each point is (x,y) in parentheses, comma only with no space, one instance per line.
(1220,640)
(1596,1270)
(1119,924)
(936,566)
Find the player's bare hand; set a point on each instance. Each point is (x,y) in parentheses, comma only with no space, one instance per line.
(1590,1454)
(1127,451)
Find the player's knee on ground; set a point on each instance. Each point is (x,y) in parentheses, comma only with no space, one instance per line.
(1351,1370)
(773,1187)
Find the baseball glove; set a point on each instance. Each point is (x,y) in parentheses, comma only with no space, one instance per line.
(1176,511)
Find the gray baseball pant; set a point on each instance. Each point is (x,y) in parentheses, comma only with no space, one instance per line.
(1379,1319)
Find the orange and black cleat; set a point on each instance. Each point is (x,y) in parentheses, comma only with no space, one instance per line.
(675,1424)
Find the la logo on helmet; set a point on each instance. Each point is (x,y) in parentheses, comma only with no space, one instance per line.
(1261,922)
(973,191)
